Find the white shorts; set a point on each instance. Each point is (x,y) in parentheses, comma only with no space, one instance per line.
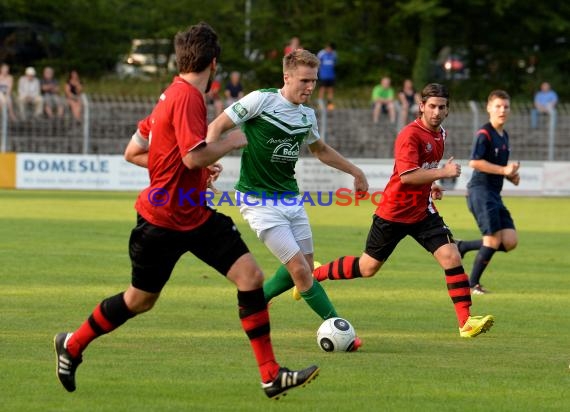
(294,233)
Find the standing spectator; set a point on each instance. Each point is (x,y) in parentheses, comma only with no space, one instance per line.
(234,89)
(276,123)
(490,159)
(293,44)
(409,100)
(407,209)
(168,225)
(382,98)
(328,59)
(50,93)
(73,91)
(29,93)
(6,85)
(545,101)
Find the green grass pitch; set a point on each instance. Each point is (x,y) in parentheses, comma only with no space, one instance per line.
(62,252)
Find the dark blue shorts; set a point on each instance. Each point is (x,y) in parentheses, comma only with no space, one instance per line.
(384,235)
(155,250)
(489,211)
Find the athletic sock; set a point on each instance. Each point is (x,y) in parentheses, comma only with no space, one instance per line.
(318,300)
(107,316)
(254,318)
(345,267)
(280,282)
(459,292)
(465,246)
(481,261)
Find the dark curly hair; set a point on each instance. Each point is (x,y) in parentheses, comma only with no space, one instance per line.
(196,48)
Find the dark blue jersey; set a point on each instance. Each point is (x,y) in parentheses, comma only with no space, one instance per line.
(490,146)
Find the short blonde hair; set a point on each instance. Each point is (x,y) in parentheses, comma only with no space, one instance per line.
(300,57)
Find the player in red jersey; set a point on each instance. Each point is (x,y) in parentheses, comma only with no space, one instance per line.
(173,220)
(407,208)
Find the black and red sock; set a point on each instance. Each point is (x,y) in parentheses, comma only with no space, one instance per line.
(254,318)
(107,316)
(346,267)
(459,292)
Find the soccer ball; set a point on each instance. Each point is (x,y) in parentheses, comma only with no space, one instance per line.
(336,335)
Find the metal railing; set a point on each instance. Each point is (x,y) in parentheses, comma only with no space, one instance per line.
(108,122)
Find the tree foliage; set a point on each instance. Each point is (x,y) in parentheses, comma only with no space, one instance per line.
(503,44)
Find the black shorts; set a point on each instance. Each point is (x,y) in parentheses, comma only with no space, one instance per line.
(326,82)
(489,211)
(155,250)
(384,235)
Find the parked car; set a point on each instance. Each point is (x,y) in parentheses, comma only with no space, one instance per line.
(147,57)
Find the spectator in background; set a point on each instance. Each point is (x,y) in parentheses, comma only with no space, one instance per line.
(29,93)
(293,44)
(213,97)
(234,89)
(383,97)
(50,94)
(409,100)
(545,101)
(73,91)
(6,85)
(328,58)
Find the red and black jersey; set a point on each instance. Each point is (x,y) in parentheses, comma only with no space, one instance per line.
(177,125)
(416,147)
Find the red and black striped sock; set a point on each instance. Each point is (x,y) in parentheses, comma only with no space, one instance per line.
(345,267)
(459,292)
(254,318)
(107,316)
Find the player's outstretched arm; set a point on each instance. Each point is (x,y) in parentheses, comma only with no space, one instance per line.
(485,166)
(421,176)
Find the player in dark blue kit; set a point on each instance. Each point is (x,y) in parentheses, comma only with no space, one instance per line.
(490,159)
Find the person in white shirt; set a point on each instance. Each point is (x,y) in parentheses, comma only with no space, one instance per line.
(29,93)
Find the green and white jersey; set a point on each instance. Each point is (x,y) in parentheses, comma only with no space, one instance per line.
(275,130)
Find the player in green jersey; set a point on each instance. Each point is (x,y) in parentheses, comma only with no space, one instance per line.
(276,123)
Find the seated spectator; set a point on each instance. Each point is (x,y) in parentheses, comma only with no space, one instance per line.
(545,101)
(383,100)
(50,94)
(234,89)
(409,102)
(73,91)
(213,97)
(29,93)
(6,85)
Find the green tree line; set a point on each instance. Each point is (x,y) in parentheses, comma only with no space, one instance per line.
(510,44)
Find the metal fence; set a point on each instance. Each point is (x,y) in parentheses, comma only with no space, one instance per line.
(109,122)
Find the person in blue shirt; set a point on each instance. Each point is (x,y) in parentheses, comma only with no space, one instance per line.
(490,159)
(326,74)
(545,101)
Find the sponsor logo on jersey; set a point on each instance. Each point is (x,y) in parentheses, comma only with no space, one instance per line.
(430,165)
(239,110)
(285,152)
